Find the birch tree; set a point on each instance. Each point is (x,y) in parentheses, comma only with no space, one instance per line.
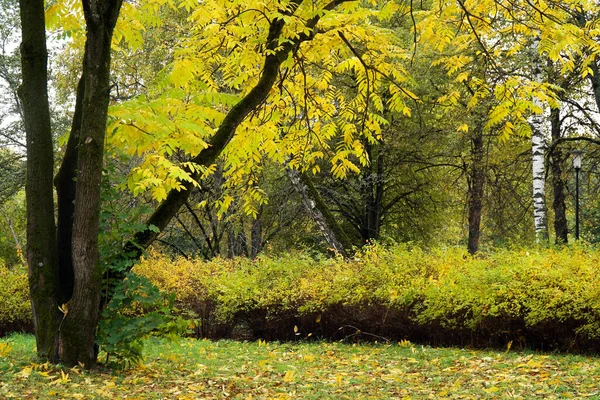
(538,151)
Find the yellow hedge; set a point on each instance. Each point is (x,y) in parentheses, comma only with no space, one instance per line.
(539,297)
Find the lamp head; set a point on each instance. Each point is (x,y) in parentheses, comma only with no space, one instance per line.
(577,155)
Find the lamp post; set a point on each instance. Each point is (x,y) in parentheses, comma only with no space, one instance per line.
(577,165)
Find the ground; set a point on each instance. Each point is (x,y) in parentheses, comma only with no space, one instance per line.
(194,369)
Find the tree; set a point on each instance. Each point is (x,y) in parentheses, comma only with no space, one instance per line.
(69,336)
(538,151)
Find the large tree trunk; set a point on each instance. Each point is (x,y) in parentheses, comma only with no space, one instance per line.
(78,331)
(558,185)
(476,185)
(538,150)
(42,255)
(65,184)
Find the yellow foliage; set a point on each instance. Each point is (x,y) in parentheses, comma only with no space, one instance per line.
(444,287)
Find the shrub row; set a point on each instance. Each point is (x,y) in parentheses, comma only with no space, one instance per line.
(546,298)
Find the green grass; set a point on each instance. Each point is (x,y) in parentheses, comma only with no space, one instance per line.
(191,369)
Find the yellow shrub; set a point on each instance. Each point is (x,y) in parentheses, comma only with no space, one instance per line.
(15,307)
(539,296)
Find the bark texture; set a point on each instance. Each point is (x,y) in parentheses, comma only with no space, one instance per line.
(42,257)
(318,211)
(78,332)
(373,190)
(65,191)
(558,184)
(538,150)
(476,186)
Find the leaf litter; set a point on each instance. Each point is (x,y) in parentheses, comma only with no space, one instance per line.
(191,369)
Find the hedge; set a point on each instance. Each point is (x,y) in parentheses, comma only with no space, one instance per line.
(537,298)
(542,298)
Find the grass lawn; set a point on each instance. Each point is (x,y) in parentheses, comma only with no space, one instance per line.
(192,369)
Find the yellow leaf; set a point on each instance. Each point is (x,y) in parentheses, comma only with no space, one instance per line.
(309,358)
(25,372)
(64,308)
(463,128)
(5,348)
(289,376)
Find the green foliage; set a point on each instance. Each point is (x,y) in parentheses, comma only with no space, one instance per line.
(121,215)
(546,297)
(12,229)
(136,311)
(15,308)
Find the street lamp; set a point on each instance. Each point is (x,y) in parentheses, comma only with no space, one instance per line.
(577,165)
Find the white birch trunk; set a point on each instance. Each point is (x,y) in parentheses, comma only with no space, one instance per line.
(311,208)
(538,149)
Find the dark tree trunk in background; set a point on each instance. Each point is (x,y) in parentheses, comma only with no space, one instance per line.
(595,81)
(42,257)
(372,186)
(236,243)
(256,235)
(476,182)
(558,185)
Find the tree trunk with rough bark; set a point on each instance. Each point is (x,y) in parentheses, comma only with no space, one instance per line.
(476,186)
(557,157)
(42,257)
(78,279)
(79,328)
(65,184)
(372,193)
